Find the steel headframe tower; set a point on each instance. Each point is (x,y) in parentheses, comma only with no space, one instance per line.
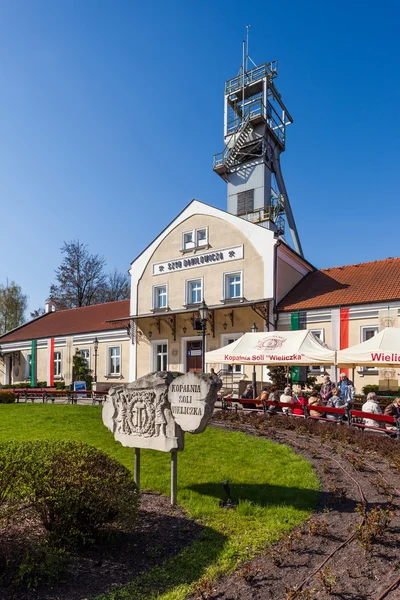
(255,121)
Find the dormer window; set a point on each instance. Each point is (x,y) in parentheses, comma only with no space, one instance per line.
(201,237)
(194,239)
(188,241)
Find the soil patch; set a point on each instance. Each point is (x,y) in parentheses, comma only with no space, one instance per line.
(116,559)
(324,558)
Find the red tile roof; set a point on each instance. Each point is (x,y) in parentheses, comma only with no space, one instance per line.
(377,281)
(71,321)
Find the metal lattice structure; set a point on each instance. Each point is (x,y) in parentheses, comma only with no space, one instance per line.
(255,121)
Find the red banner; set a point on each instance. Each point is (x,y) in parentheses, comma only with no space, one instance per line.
(344,332)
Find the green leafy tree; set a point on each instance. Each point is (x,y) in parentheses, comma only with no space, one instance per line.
(81,371)
(13,303)
(281,377)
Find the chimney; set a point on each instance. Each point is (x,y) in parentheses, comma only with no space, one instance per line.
(50,305)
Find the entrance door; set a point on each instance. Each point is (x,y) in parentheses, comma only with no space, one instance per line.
(194,356)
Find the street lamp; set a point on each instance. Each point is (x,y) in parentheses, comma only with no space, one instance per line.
(203,312)
(254,329)
(96,347)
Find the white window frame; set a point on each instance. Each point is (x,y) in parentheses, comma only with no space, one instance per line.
(109,361)
(225,285)
(363,329)
(203,242)
(81,350)
(317,370)
(154,354)
(58,362)
(185,245)
(237,369)
(188,282)
(194,245)
(155,288)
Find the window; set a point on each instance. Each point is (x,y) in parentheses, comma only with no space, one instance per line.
(161,357)
(57,364)
(85,353)
(160,297)
(201,237)
(188,241)
(114,360)
(233,286)
(319,333)
(197,238)
(245,202)
(368,333)
(225,340)
(28,366)
(194,291)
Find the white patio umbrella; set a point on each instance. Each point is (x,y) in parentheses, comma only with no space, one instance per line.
(382,350)
(274,348)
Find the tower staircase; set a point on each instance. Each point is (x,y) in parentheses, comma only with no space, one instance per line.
(228,158)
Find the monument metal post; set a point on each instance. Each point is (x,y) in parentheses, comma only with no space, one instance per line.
(137,467)
(174,476)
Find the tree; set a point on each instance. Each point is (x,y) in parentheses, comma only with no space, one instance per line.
(117,287)
(38,312)
(81,280)
(80,370)
(13,304)
(80,277)
(281,377)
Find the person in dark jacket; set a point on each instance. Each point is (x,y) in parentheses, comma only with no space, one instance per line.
(248,393)
(393,409)
(326,390)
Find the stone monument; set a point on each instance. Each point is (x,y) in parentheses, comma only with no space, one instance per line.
(139,414)
(156,410)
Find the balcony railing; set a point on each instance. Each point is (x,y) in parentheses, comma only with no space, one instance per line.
(235,84)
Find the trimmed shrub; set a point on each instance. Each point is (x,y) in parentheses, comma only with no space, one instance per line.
(39,564)
(7,397)
(74,488)
(375,388)
(59,385)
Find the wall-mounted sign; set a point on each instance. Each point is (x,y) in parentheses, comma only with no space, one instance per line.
(200,260)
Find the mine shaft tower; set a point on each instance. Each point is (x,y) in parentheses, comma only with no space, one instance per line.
(255,121)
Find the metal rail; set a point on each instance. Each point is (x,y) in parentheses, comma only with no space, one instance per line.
(264,70)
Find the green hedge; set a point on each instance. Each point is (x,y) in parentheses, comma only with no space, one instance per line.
(375,388)
(7,397)
(74,488)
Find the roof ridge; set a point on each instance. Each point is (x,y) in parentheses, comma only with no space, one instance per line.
(89,305)
(369,262)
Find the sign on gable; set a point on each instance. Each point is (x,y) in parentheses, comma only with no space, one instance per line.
(200,260)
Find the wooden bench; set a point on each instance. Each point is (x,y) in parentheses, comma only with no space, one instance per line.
(348,415)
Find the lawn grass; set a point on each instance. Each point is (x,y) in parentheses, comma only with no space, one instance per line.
(276,490)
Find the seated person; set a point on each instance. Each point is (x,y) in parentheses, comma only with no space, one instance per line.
(372,406)
(248,393)
(335,401)
(393,409)
(314,400)
(299,400)
(263,397)
(274,397)
(286,398)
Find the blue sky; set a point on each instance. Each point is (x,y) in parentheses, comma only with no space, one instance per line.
(111,112)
